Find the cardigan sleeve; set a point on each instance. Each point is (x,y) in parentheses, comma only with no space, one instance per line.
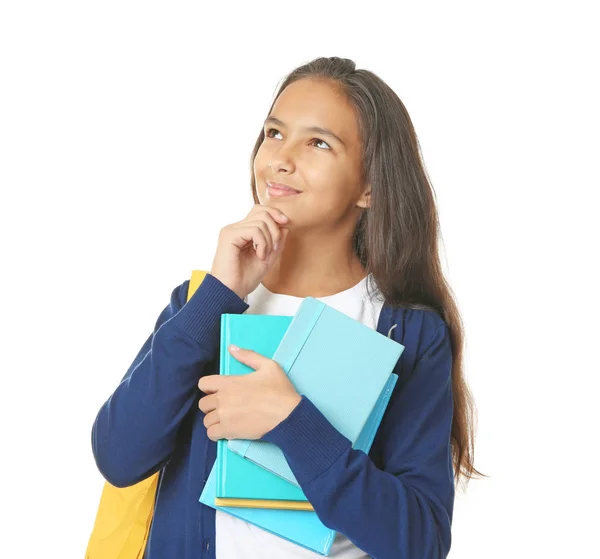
(405,509)
(135,431)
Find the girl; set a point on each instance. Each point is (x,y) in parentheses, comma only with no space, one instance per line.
(343,212)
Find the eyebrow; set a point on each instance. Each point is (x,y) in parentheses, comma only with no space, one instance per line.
(314,129)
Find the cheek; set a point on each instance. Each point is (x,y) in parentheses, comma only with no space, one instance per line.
(261,161)
(328,181)
(332,194)
(259,168)
(320,173)
(326,201)
(261,155)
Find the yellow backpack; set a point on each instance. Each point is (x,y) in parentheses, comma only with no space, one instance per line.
(124,515)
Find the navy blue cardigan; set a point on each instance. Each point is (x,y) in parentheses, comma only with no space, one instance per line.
(395,502)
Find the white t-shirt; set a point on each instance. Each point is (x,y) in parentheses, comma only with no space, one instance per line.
(237,538)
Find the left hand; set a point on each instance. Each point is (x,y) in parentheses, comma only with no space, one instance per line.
(247,406)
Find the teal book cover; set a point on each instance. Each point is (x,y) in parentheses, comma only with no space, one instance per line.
(237,478)
(334,360)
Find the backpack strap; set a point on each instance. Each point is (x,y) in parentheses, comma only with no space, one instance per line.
(195,281)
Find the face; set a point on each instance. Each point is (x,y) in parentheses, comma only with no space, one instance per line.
(324,168)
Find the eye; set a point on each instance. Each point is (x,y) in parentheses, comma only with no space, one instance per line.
(323,142)
(269,130)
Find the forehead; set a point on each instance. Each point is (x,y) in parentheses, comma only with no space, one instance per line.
(309,102)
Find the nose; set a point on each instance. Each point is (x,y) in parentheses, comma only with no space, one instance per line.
(283,161)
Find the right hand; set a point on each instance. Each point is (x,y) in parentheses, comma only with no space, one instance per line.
(246,249)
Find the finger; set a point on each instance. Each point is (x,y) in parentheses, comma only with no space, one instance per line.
(256,235)
(248,357)
(275,255)
(274,228)
(211,419)
(215,432)
(208,403)
(278,215)
(210,384)
(264,227)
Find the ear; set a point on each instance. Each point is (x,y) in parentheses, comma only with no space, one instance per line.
(365,200)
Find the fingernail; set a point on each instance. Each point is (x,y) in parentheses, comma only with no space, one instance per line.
(276,245)
(233,347)
(284,217)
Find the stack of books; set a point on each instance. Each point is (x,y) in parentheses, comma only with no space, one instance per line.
(344,367)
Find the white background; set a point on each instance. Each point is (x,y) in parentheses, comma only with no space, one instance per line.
(125,136)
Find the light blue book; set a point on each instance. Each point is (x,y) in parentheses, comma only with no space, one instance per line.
(301,527)
(340,364)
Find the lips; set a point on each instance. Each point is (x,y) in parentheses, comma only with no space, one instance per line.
(279,186)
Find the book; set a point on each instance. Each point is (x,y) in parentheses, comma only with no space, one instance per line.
(240,482)
(300,527)
(334,360)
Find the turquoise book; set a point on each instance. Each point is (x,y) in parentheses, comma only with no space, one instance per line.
(340,364)
(237,478)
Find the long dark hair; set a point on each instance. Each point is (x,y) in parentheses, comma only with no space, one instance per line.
(396,239)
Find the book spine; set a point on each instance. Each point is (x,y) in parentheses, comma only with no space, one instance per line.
(223,370)
(303,324)
(365,443)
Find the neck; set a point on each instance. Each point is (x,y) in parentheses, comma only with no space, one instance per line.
(314,266)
